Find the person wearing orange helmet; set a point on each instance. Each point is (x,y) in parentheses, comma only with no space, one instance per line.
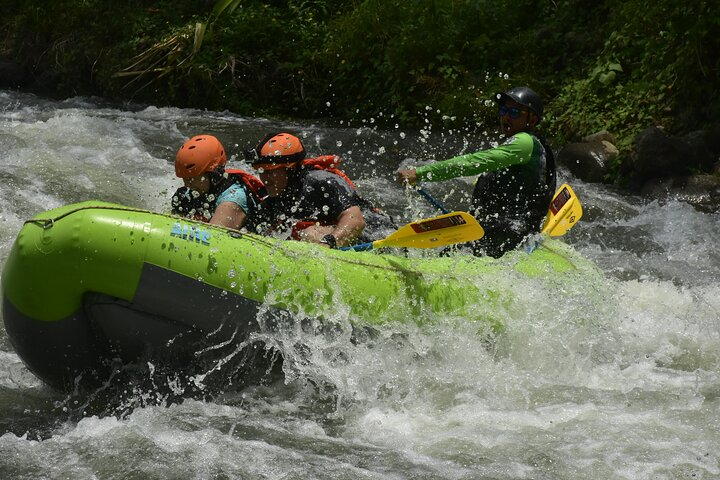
(213,193)
(310,198)
(517,179)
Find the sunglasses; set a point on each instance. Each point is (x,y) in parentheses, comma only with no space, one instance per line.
(513,111)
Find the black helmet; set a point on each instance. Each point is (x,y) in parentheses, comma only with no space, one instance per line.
(524,96)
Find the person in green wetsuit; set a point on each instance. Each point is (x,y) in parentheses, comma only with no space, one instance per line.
(517,179)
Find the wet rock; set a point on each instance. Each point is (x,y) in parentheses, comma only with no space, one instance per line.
(701,191)
(664,166)
(658,155)
(602,135)
(705,146)
(591,159)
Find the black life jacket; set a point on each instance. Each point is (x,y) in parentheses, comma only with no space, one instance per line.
(268,224)
(201,206)
(517,197)
(328,163)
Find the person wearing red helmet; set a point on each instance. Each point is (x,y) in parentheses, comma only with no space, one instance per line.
(310,198)
(517,179)
(213,193)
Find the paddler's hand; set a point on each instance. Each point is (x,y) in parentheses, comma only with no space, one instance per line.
(315,234)
(408,176)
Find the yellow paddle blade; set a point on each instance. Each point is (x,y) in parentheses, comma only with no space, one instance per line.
(453,227)
(565,211)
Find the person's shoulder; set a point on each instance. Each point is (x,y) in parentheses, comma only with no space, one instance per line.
(523,140)
(318,174)
(315,176)
(522,137)
(236,193)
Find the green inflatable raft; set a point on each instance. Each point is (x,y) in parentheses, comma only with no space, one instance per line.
(92,284)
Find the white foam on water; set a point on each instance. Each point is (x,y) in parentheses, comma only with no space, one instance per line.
(616,377)
(14,375)
(576,379)
(77,156)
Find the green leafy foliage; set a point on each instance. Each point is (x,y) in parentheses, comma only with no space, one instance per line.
(617,65)
(658,67)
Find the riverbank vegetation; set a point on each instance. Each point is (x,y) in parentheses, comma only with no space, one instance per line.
(619,65)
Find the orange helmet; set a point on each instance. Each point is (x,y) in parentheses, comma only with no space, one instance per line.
(277,148)
(200,154)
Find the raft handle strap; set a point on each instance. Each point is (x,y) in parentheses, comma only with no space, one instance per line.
(46,223)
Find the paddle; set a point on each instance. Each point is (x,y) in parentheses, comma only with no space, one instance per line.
(453,227)
(432,201)
(565,211)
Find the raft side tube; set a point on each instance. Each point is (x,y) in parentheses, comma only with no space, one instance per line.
(61,254)
(154,326)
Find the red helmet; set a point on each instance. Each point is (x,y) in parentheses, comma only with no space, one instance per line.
(278,148)
(200,154)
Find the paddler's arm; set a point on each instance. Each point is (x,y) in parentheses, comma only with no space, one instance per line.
(350,224)
(229,214)
(518,149)
(231,210)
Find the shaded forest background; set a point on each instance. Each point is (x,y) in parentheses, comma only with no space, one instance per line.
(619,65)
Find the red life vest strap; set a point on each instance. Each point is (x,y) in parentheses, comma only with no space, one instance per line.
(252,182)
(329,163)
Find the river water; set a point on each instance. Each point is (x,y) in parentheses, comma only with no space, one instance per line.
(618,378)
